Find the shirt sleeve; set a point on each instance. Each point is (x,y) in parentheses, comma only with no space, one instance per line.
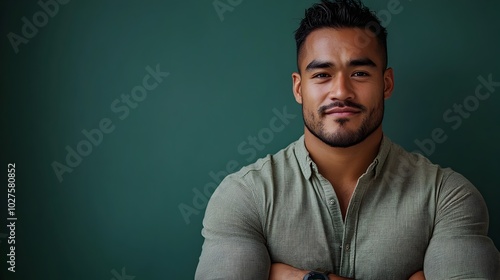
(234,246)
(459,247)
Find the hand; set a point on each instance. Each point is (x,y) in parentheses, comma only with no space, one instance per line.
(281,271)
(418,276)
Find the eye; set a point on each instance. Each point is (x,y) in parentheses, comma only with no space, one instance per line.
(360,74)
(321,75)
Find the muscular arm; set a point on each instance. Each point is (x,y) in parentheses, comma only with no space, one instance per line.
(234,246)
(459,247)
(280,271)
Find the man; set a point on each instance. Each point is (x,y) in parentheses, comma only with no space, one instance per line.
(335,204)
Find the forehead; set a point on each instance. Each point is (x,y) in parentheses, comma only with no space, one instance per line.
(340,45)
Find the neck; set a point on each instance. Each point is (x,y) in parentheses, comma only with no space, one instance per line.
(343,165)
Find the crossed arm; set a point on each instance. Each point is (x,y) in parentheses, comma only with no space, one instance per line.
(235,247)
(280,271)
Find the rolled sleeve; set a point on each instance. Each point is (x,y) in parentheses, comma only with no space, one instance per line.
(459,247)
(234,246)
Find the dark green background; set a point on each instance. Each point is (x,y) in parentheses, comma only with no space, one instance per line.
(119,207)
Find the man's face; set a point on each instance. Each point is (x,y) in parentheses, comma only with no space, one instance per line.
(342,85)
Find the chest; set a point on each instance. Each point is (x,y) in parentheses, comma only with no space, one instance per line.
(380,230)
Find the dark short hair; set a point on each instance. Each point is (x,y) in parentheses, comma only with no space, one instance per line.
(340,14)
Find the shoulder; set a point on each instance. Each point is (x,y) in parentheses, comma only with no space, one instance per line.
(267,175)
(418,168)
(253,182)
(449,187)
(243,191)
(265,170)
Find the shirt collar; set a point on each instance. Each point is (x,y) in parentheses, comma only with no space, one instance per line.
(307,165)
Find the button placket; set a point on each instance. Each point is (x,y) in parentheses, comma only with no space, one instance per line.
(330,201)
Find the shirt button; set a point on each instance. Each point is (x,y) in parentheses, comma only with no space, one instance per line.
(332,201)
(347,247)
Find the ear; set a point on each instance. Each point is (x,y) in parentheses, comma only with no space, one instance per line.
(388,82)
(297,87)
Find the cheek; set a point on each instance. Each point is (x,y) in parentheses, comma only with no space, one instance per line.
(320,89)
(310,104)
(372,94)
(314,94)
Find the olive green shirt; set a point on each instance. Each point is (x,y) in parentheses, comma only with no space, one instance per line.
(406,214)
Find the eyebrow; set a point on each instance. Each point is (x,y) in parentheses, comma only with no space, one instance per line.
(317,64)
(362,62)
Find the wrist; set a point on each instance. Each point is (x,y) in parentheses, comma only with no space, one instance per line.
(316,275)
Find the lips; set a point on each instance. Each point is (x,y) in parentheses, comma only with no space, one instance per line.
(342,111)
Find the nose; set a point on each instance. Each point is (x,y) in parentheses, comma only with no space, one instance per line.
(341,87)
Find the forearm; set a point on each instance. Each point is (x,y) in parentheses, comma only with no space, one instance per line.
(281,271)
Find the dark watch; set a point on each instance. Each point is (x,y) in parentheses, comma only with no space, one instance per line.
(314,275)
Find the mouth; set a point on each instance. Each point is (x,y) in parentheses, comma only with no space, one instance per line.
(342,111)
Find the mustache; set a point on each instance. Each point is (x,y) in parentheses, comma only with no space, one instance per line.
(340,104)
